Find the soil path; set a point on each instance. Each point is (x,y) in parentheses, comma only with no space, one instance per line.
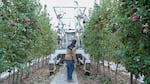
(40,76)
(61,77)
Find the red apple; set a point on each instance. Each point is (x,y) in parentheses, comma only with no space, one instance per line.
(135,18)
(26,20)
(128,36)
(133,10)
(1,15)
(141,29)
(132,6)
(13,25)
(122,27)
(116,46)
(113,30)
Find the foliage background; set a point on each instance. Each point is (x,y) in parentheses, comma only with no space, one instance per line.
(119,31)
(25,33)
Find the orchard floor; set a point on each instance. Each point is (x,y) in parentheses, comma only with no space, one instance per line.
(41,76)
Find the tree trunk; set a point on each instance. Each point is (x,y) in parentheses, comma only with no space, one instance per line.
(13,80)
(131,78)
(29,69)
(116,72)
(38,62)
(46,62)
(103,67)
(94,66)
(21,76)
(99,68)
(43,62)
(97,65)
(9,77)
(108,68)
(35,65)
(17,78)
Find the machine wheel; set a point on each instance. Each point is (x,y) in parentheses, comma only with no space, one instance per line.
(87,73)
(51,66)
(88,66)
(51,73)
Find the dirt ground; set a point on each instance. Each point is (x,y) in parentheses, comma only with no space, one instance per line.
(96,77)
(42,76)
(101,76)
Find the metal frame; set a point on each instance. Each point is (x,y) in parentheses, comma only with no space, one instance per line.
(63,7)
(79,13)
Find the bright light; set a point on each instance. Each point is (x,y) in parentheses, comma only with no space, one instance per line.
(65,3)
(51,3)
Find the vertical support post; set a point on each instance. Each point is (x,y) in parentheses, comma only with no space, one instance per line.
(131,78)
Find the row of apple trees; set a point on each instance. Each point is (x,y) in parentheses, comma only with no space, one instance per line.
(25,33)
(120,32)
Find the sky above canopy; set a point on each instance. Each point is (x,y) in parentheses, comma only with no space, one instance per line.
(65,3)
(51,3)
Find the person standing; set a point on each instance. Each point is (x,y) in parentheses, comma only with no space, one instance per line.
(70,59)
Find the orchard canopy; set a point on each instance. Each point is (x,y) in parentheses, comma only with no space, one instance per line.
(117,30)
(25,33)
